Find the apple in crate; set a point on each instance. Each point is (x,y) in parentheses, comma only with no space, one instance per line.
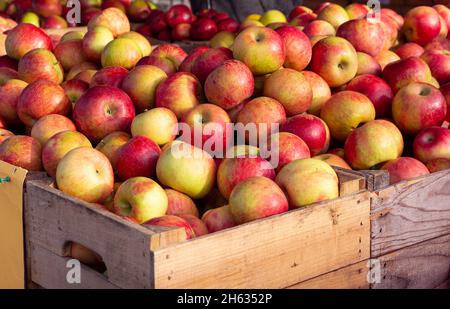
(321,92)
(23,151)
(408,50)
(113,19)
(435,165)
(203,29)
(197,225)
(319,27)
(167,57)
(288,147)
(218,219)
(439,63)
(180,204)
(140,40)
(49,125)
(74,89)
(121,52)
(111,144)
(178,14)
(24,38)
(10,92)
(422,25)
(335,14)
(432,143)
(172,221)
(94,41)
(400,73)
(40,64)
(188,62)
(404,168)
(109,76)
(158,124)
(208,61)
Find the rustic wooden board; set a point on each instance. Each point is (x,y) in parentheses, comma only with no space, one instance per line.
(423,265)
(349,277)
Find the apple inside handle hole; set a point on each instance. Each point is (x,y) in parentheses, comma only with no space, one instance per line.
(85,256)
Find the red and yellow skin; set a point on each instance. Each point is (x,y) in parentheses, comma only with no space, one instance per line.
(172,221)
(400,73)
(432,143)
(22,151)
(218,219)
(422,24)
(404,168)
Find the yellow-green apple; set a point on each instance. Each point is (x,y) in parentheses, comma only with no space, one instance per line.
(121,52)
(96,174)
(297,47)
(30,18)
(439,63)
(432,143)
(312,130)
(141,84)
(303,19)
(203,29)
(291,89)
(288,147)
(188,62)
(24,38)
(95,41)
(319,27)
(167,57)
(376,89)
(58,146)
(229,25)
(261,49)
(197,225)
(23,151)
(218,219)
(394,15)
(194,168)
(70,53)
(408,50)
(172,221)
(272,16)
(103,110)
(345,111)
(80,68)
(386,57)
(46,8)
(334,14)
(262,111)
(222,39)
(74,89)
(232,171)
(404,168)
(179,93)
(111,144)
(335,60)
(250,23)
(445,89)
(159,124)
(253,17)
(308,181)
(40,64)
(400,73)
(321,92)
(50,125)
(435,165)
(140,198)
(422,24)
(9,94)
(54,22)
(113,19)
(41,98)
(365,35)
(143,44)
(255,198)
(357,10)
(72,35)
(86,76)
(180,204)
(367,65)
(417,106)
(85,255)
(373,143)
(300,9)
(208,61)
(109,76)
(333,160)
(139,10)
(229,84)
(137,157)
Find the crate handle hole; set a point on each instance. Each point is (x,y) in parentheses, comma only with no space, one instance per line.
(86,256)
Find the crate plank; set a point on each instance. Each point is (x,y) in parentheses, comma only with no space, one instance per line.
(423,265)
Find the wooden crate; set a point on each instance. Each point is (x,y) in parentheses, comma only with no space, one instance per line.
(274,252)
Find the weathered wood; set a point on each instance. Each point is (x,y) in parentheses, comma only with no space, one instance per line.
(349,277)
(375,179)
(349,182)
(423,265)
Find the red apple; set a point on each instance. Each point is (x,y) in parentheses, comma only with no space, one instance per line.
(85,76)
(178,14)
(400,73)
(320,91)
(334,14)
(157,21)
(435,165)
(70,53)
(196,224)
(180,204)
(228,24)
(289,147)
(88,14)
(167,57)
(79,68)
(139,10)
(297,47)
(111,144)
(22,151)
(40,64)
(172,221)
(109,76)
(367,65)
(47,8)
(422,25)
(333,160)
(386,57)
(74,89)
(50,125)
(445,89)
(113,4)
(113,19)
(404,168)
(181,32)
(54,22)
(218,219)
(188,62)
(432,143)
(303,19)
(203,29)
(439,63)
(394,15)
(10,92)
(208,61)
(300,9)
(319,27)
(357,10)
(408,50)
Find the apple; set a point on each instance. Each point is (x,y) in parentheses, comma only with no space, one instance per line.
(179,93)
(439,63)
(196,224)
(40,64)
(386,57)
(335,60)
(367,65)
(333,160)
(272,16)
(373,143)
(291,89)
(58,146)
(139,10)
(9,94)
(288,147)
(391,31)
(145,30)
(195,169)
(334,14)
(203,29)
(357,10)
(50,125)
(435,165)
(188,62)
(110,146)
(376,89)
(261,49)
(432,143)
(172,221)
(297,47)
(219,16)
(88,14)
(253,17)
(54,22)
(70,53)
(7,74)
(408,50)
(4,134)
(222,39)
(72,35)
(444,12)
(41,98)
(140,198)
(250,23)
(300,9)
(80,68)
(400,73)
(46,8)
(445,89)
(438,44)
(74,89)
(140,40)
(311,129)
(319,27)
(218,219)
(228,25)
(103,110)
(208,61)
(178,14)
(22,151)
(180,204)
(365,35)
(181,32)
(167,57)
(422,24)
(345,111)
(141,84)
(157,21)
(404,168)
(303,19)
(121,52)
(417,106)
(393,15)
(30,18)
(109,76)
(113,4)
(86,76)
(113,19)
(320,91)
(7,62)
(95,41)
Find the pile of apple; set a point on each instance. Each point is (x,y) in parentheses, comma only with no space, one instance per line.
(100,112)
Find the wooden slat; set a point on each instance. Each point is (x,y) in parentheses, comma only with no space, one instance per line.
(274,252)
(423,265)
(350,182)
(349,277)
